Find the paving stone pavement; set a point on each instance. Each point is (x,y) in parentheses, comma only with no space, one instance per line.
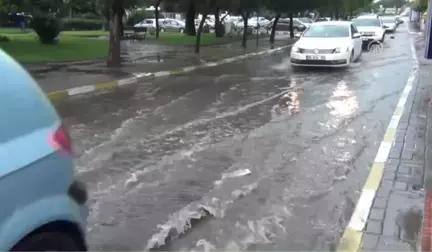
(395,220)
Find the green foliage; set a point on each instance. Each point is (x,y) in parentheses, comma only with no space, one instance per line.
(72,24)
(88,15)
(4,38)
(45,6)
(392,3)
(421,5)
(47,28)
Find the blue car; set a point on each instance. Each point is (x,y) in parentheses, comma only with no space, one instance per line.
(43,206)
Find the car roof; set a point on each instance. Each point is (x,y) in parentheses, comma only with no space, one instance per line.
(373,16)
(347,23)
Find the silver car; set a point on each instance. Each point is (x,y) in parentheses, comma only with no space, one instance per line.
(172,25)
(390,23)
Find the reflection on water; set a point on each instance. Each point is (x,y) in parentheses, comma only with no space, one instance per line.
(288,104)
(343,101)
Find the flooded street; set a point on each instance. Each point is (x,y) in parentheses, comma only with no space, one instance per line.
(249,155)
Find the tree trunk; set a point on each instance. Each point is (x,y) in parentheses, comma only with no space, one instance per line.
(157,18)
(198,36)
(336,9)
(122,14)
(107,14)
(114,59)
(273,31)
(190,19)
(245,29)
(291,26)
(218,24)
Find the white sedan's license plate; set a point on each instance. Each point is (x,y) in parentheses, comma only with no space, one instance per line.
(365,38)
(315,57)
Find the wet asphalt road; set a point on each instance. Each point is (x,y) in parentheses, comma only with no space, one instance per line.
(160,164)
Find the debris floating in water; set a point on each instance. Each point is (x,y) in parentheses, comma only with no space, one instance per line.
(238,173)
(234,174)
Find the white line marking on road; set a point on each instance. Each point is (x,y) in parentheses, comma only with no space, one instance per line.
(394,122)
(162,74)
(142,75)
(81,90)
(383,152)
(127,81)
(189,69)
(361,212)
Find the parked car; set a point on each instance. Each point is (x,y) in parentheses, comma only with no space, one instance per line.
(323,19)
(284,25)
(43,204)
(149,24)
(328,44)
(399,20)
(255,21)
(371,28)
(304,21)
(172,25)
(390,23)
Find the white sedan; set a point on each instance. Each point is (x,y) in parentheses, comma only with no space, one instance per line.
(327,44)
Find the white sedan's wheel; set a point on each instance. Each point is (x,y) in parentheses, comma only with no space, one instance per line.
(351,58)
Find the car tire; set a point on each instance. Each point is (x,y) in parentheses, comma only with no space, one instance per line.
(360,55)
(351,59)
(181,30)
(49,241)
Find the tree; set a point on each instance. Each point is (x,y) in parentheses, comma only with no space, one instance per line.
(246,8)
(190,19)
(116,12)
(206,7)
(156,4)
(221,5)
(279,7)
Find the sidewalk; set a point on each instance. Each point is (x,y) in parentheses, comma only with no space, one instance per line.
(138,58)
(395,221)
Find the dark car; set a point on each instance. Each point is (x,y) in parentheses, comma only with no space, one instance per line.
(284,25)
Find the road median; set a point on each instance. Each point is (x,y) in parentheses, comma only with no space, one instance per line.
(135,78)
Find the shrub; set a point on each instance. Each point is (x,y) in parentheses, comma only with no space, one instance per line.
(4,38)
(71,24)
(88,15)
(47,28)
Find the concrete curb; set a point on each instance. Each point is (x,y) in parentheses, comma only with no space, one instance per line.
(353,234)
(60,95)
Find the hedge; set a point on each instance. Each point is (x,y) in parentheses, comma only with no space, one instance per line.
(71,24)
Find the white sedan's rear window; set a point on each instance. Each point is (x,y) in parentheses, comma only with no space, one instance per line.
(327,31)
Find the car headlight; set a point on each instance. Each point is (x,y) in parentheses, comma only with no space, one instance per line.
(340,49)
(295,49)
